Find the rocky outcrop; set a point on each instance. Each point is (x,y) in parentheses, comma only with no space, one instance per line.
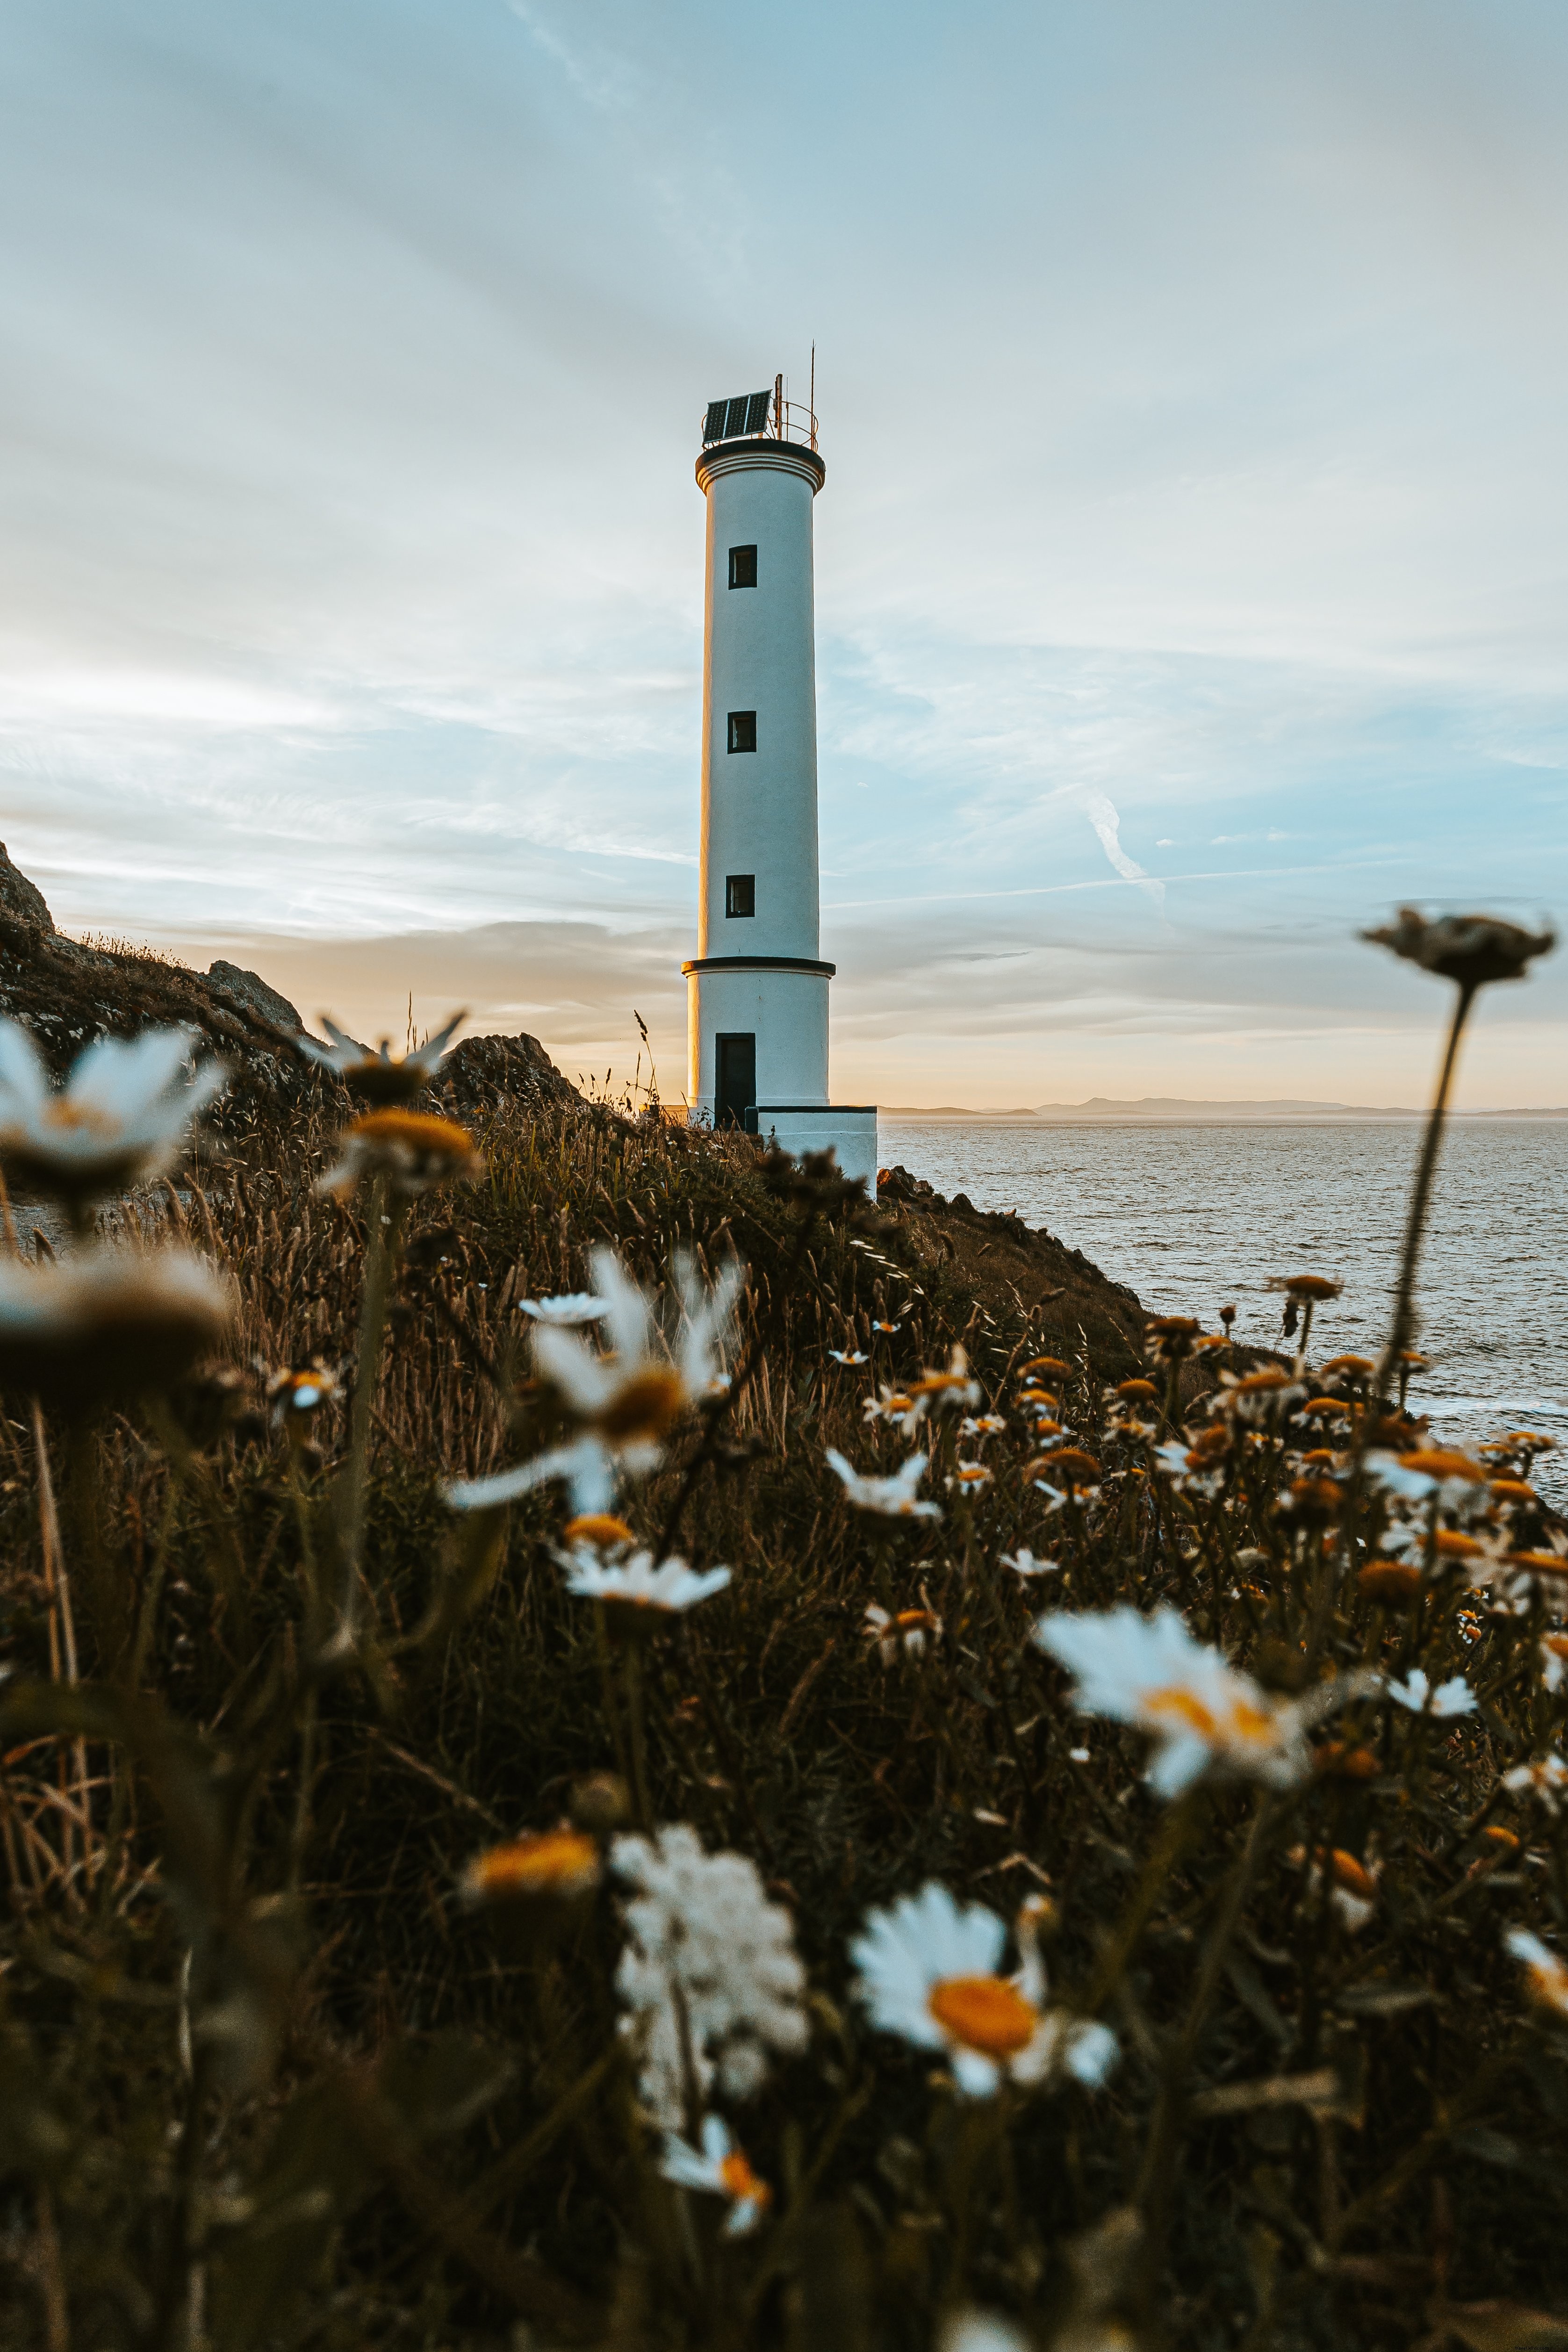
(21,899)
(250,990)
(67,994)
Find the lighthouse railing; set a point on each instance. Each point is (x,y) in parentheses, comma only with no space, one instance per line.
(787,420)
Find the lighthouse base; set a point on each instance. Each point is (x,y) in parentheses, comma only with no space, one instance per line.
(846,1129)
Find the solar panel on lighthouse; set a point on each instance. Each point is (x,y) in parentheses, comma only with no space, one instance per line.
(728,420)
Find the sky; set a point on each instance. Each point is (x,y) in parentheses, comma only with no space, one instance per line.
(1192,567)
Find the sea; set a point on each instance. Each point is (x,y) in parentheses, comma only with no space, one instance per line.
(1194,1216)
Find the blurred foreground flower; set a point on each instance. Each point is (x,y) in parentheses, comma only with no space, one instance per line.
(108,1323)
(411,1148)
(1470,949)
(376,1076)
(1205,1716)
(886,1498)
(708,1975)
(927,1971)
(1546,1780)
(721,2171)
(553,1865)
(982,2331)
(119,1119)
(572,1306)
(1545,1976)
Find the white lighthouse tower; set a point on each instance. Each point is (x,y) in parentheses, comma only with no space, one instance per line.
(757,987)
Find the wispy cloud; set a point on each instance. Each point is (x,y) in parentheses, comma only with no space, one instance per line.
(1100,811)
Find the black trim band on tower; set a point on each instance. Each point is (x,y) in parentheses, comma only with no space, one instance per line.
(758,963)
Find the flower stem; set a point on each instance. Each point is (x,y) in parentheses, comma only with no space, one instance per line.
(379,1257)
(1420,1202)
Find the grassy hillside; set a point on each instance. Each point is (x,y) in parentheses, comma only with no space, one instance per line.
(286,2062)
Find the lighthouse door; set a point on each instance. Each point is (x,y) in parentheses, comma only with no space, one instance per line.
(737,1077)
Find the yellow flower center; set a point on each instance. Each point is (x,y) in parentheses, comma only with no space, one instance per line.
(986,2013)
(559,1861)
(648,1403)
(416,1131)
(1241,1720)
(1548,1983)
(740,2182)
(601,1530)
(61,1112)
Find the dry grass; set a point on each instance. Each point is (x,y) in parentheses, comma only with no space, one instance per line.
(267,2081)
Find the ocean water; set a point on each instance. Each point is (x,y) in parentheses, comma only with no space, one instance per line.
(1196,1216)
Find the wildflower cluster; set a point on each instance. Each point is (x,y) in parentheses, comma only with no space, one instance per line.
(643,1757)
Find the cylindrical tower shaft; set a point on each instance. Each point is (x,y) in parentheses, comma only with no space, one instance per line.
(758,988)
(759,701)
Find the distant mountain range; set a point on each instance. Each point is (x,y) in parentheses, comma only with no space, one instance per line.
(1171,1108)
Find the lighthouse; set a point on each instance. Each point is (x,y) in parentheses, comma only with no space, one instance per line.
(757,1022)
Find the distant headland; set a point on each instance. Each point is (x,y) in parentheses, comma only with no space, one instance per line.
(1170,1108)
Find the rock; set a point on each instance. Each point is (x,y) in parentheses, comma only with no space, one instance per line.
(250,990)
(21,899)
(485,1072)
(67,994)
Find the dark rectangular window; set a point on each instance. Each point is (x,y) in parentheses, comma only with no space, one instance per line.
(743,730)
(736,1076)
(743,567)
(739,893)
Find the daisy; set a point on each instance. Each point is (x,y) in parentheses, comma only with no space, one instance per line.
(928,1972)
(626,1400)
(970,1476)
(668,1590)
(848,1356)
(1066,1469)
(376,1076)
(1450,1699)
(119,1119)
(1470,949)
(108,1322)
(295,1396)
(951,1390)
(572,1306)
(1254,1397)
(1553,1660)
(1546,1978)
(886,1498)
(1545,1778)
(1023,1564)
(1205,1716)
(908,1631)
(721,2171)
(888,1405)
(553,1867)
(1353,1888)
(411,1149)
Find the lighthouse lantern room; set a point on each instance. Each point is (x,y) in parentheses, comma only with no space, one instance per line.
(757,987)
